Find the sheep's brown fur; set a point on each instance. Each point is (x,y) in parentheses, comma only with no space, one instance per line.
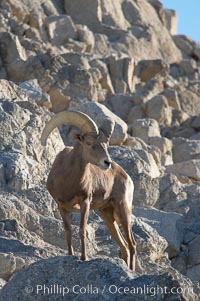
(85,178)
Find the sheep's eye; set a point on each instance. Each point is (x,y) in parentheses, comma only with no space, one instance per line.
(92,146)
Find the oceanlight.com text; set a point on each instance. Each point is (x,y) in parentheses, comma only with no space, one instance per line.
(91,289)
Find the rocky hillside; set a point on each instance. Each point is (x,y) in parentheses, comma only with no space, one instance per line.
(108,58)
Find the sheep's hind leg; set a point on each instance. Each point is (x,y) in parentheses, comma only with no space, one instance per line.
(108,216)
(125,217)
(66,216)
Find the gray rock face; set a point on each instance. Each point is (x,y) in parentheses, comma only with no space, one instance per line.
(185,149)
(121,72)
(60,29)
(86,36)
(69,278)
(101,18)
(112,59)
(81,12)
(190,168)
(146,187)
(194,257)
(145,128)
(157,108)
(147,69)
(22,157)
(33,89)
(166,223)
(193,273)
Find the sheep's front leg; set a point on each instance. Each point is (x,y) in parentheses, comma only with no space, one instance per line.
(85,208)
(68,229)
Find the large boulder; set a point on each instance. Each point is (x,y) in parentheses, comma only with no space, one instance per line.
(120,105)
(24,165)
(21,126)
(88,13)
(99,112)
(185,149)
(145,129)
(86,36)
(11,49)
(92,13)
(166,223)
(165,147)
(193,273)
(121,72)
(157,108)
(170,19)
(136,112)
(151,247)
(193,256)
(179,194)
(33,90)
(60,29)
(13,55)
(190,168)
(172,98)
(105,80)
(147,69)
(189,98)
(133,161)
(103,278)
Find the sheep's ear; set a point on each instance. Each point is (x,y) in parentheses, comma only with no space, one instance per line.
(103,138)
(78,137)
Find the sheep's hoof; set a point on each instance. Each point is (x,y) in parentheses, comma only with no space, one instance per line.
(71,252)
(83,257)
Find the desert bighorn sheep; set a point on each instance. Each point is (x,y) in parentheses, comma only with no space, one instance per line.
(85,178)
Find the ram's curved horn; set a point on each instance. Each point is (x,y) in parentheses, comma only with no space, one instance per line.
(76,118)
